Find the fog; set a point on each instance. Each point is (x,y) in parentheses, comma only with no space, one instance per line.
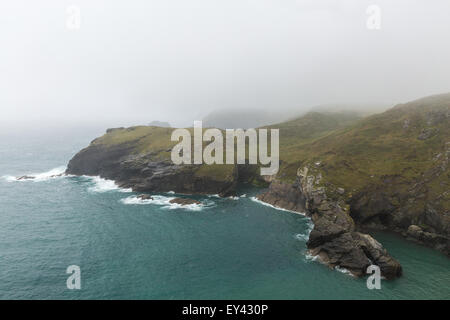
(133,62)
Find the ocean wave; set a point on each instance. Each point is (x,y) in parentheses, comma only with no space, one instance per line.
(57,172)
(310,227)
(305,236)
(9,178)
(310,257)
(274,207)
(302,237)
(230,197)
(343,270)
(104,185)
(158,200)
(136,200)
(164,202)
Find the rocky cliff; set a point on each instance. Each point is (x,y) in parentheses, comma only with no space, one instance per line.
(139,158)
(334,238)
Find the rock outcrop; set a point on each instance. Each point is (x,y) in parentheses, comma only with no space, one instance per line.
(334,238)
(26,178)
(434,240)
(145,197)
(184,201)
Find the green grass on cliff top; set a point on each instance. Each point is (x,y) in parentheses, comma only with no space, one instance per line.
(156,140)
(384,144)
(144,138)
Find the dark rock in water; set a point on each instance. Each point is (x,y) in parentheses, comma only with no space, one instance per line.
(434,240)
(379,256)
(25,178)
(145,197)
(184,201)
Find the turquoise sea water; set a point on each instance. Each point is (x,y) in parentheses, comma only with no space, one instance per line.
(126,249)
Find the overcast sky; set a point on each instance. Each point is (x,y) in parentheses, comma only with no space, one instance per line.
(134,61)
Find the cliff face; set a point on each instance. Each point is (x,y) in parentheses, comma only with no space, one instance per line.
(119,156)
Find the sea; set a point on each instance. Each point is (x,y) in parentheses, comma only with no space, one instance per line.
(127,248)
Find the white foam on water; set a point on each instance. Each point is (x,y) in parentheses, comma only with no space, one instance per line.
(104,185)
(190,207)
(305,236)
(275,207)
(9,178)
(310,227)
(51,174)
(54,173)
(302,237)
(243,196)
(310,257)
(343,270)
(164,202)
(136,200)
(233,198)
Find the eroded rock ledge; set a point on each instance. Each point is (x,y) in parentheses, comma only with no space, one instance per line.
(334,237)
